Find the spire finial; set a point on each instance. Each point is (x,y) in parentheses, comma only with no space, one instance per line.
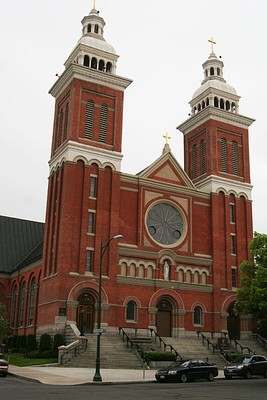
(167,136)
(212,42)
(94,6)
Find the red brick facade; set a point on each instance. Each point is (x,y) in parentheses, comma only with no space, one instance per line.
(175,287)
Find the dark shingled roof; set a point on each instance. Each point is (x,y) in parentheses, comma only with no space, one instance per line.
(21,243)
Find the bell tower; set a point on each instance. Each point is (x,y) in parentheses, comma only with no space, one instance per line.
(84,166)
(216,158)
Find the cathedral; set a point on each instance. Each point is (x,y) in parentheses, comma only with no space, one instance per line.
(159,249)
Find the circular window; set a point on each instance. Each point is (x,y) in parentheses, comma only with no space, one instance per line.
(164,223)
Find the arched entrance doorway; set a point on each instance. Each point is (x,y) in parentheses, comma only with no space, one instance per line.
(233,323)
(164,318)
(86,313)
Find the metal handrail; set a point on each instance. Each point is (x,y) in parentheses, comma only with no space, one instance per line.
(260,340)
(73,349)
(209,343)
(139,351)
(165,345)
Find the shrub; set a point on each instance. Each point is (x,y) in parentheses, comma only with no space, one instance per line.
(230,356)
(58,341)
(31,344)
(45,343)
(160,356)
(46,354)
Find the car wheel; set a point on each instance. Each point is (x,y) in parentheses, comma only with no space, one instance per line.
(210,377)
(184,378)
(248,374)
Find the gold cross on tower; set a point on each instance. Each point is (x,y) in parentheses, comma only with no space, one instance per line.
(167,137)
(212,42)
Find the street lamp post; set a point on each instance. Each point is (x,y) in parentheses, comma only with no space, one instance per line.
(97,376)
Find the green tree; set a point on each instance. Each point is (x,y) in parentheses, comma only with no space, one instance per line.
(252,296)
(3,322)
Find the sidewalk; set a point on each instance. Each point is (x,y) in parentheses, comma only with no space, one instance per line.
(77,376)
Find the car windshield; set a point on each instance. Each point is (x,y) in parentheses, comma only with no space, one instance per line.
(241,360)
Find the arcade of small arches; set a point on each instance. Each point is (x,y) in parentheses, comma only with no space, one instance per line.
(183,274)
(215,102)
(94,63)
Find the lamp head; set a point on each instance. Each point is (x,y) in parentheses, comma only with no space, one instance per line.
(118,236)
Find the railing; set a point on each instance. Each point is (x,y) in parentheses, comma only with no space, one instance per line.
(258,338)
(164,344)
(153,335)
(207,341)
(241,349)
(221,346)
(129,342)
(72,350)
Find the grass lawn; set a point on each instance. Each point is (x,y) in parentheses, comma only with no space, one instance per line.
(18,360)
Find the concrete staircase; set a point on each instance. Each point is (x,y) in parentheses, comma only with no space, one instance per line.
(253,345)
(114,353)
(192,347)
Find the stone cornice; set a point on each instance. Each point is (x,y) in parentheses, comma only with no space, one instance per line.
(163,186)
(217,114)
(153,255)
(158,283)
(90,75)
(70,151)
(214,184)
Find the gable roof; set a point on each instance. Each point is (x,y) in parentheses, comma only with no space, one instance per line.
(167,169)
(21,243)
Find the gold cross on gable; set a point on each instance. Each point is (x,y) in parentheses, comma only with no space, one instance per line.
(167,136)
(212,42)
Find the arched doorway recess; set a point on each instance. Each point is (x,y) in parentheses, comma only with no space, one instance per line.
(164,318)
(86,313)
(233,323)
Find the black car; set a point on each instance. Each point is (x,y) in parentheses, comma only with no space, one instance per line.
(183,371)
(246,366)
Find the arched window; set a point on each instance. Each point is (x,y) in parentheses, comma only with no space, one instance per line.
(227,105)
(94,63)
(203,104)
(66,122)
(204,278)
(123,269)
(224,154)
(60,130)
(235,157)
(180,275)
(194,159)
(196,277)
(31,302)
(132,270)
(197,315)
(13,307)
(96,28)
(150,272)
(233,107)
(101,66)
(202,157)
(218,71)
(212,71)
(141,271)
(131,311)
(207,102)
(222,104)
(199,107)
(89,28)
(188,276)
(86,61)
(89,119)
(216,102)
(109,67)
(103,123)
(22,304)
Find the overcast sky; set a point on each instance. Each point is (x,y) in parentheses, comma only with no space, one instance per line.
(162,45)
